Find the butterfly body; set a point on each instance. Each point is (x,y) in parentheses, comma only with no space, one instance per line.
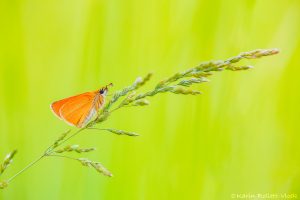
(78,110)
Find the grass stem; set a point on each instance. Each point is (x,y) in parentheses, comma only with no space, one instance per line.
(26,168)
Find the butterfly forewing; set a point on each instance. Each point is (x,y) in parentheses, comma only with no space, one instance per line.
(78,110)
(57,105)
(74,114)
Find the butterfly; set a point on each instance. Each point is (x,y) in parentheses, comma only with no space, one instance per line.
(78,110)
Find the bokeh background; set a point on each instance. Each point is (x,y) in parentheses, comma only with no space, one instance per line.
(240,136)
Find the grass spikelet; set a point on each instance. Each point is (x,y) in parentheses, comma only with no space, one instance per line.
(182,90)
(61,138)
(3,184)
(96,165)
(74,148)
(191,81)
(141,102)
(127,100)
(239,68)
(259,53)
(102,117)
(138,83)
(7,161)
(119,132)
(198,74)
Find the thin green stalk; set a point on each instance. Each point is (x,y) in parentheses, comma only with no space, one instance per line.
(63,156)
(116,131)
(51,148)
(26,168)
(48,152)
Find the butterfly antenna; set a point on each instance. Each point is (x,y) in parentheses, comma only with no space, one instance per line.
(109,85)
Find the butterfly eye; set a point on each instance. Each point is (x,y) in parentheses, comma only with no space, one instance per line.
(101,91)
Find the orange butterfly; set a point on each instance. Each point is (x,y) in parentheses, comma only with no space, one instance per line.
(78,110)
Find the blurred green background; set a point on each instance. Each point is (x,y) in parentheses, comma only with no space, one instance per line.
(240,136)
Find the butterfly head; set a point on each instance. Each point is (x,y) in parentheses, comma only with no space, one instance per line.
(103,91)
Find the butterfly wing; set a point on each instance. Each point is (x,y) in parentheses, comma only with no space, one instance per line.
(78,110)
(57,105)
